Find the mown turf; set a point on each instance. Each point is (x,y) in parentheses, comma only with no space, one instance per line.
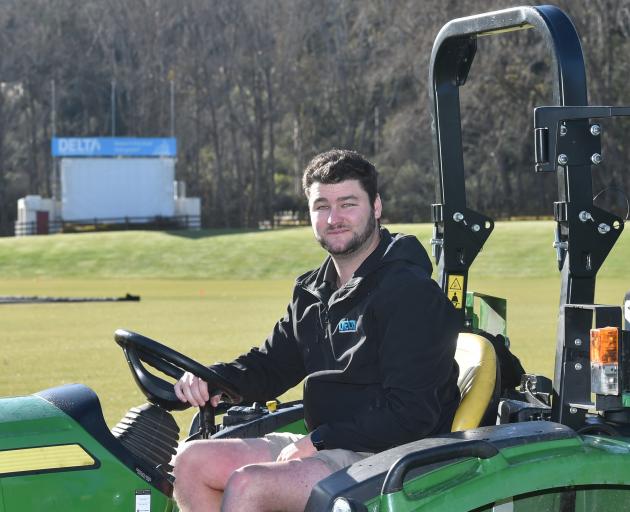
(46,345)
(213,295)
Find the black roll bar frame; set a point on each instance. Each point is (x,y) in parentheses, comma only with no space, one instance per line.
(565,143)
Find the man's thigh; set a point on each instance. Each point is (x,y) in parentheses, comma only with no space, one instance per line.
(274,485)
(214,460)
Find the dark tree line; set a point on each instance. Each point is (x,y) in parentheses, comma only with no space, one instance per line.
(262,85)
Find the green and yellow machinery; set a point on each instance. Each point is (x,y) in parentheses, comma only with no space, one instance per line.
(520,443)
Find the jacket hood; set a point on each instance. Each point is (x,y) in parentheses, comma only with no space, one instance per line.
(392,247)
(396,246)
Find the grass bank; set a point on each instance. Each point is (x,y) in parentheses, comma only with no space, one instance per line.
(515,249)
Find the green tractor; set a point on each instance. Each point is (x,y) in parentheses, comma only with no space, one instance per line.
(520,442)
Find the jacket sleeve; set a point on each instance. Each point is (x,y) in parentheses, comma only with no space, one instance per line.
(418,330)
(267,371)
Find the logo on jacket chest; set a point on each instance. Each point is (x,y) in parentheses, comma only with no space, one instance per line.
(346,325)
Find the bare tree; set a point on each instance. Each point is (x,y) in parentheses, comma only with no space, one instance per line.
(262,86)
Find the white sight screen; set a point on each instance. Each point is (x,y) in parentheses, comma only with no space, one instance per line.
(107,188)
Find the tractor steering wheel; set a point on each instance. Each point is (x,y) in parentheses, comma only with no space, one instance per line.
(139,349)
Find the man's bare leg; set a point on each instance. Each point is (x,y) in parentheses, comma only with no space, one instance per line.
(202,469)
(266,487)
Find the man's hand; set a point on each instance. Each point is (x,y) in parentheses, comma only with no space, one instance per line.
(298,450)
(193,390)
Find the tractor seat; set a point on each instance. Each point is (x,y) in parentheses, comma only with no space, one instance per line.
(479,382)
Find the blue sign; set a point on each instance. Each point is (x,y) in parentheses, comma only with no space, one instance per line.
(113,146)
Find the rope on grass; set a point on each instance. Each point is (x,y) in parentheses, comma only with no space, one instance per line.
(35,299)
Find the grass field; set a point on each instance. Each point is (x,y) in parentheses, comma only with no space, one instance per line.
(212,295)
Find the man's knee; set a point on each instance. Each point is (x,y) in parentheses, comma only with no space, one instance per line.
(244,478)
(186,461)
(198,459)
(250,480)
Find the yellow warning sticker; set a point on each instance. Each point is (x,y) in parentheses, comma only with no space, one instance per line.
(456,290)
(44,458)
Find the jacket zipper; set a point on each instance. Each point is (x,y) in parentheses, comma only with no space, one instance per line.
(326,322)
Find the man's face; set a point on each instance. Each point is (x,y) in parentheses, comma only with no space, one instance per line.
(342,217)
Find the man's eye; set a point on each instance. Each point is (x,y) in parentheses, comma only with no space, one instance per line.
(321,207)
(348,205)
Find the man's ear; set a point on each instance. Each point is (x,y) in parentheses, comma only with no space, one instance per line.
(378,207)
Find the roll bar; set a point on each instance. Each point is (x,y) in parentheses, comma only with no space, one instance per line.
(565,142)
(460,233)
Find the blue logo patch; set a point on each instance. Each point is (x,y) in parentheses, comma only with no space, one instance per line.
(346,325)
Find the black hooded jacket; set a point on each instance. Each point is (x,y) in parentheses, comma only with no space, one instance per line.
(377,355)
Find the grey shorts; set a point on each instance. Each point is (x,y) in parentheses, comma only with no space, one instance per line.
(335,459)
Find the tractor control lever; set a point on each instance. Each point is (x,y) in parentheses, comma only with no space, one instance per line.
(206,420)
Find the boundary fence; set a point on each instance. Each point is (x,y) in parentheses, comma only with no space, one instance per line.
(107,224)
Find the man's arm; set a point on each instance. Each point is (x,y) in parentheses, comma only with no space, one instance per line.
(259,375)
(418,329)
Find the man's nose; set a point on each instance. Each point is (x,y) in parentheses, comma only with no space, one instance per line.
(334,216)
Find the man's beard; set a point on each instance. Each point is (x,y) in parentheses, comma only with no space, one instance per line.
(355,243)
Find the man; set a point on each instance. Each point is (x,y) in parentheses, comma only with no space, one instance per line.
(369,331)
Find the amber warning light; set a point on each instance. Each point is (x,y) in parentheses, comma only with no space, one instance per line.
(605,361)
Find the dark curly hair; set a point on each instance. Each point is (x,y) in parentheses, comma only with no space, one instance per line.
(339,165)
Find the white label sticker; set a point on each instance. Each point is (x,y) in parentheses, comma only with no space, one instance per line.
(626,311)
(143,501)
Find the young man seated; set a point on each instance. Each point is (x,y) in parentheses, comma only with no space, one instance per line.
(371,334)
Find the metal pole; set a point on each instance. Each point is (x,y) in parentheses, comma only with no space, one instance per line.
(54,190)
(113,107)
(53,111)
(172,108)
